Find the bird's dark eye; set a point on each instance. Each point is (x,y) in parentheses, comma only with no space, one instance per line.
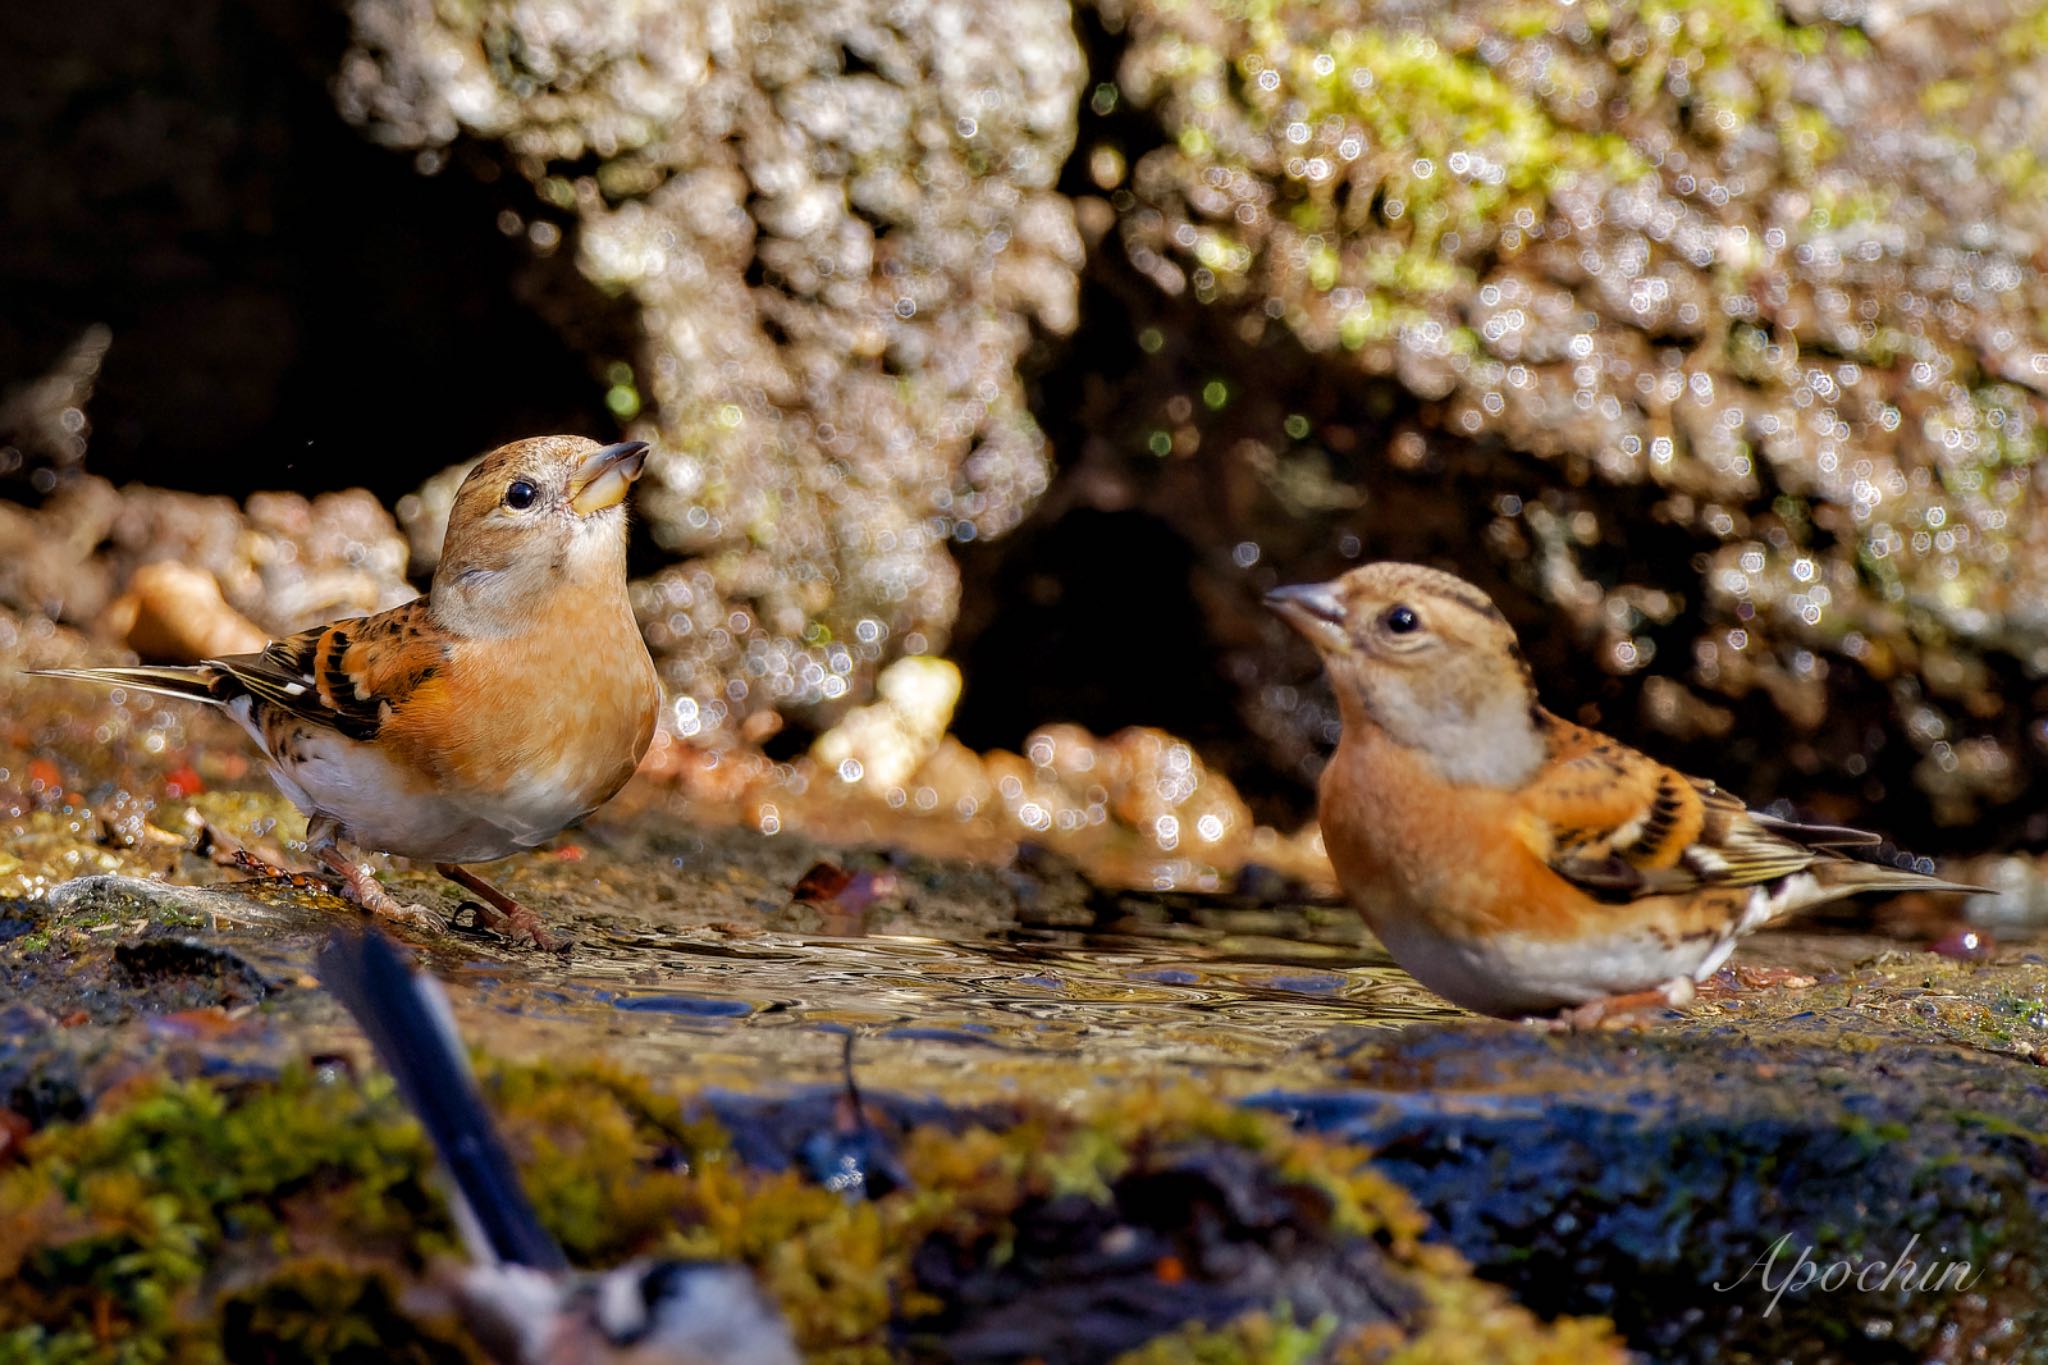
(1402,620)
(520,495)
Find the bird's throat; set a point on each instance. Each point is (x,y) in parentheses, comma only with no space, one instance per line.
(1493,743)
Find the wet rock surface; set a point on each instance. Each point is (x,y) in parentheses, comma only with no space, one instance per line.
(942,1212)
(1892,1125)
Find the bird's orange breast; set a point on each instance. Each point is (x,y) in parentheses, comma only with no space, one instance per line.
(1406,843)
(567,707)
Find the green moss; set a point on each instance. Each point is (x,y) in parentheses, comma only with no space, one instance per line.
(330,1310)
(1945,96)
(2026,38)
(242,815)
(2012,435)
(1406,91)
(1403,156)
(114,1225)
(2004,1127)
(1469,1320)
(1255,1339)
(44,847)
(1459,149)
(1834,206)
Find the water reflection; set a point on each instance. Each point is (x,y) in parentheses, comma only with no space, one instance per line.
(971,987)
(1140,992)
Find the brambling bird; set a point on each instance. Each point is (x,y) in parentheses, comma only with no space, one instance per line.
(517,1292)
(511,701)
(1516,863)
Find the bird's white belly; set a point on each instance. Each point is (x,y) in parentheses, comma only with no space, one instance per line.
(382,807)
(1515,974)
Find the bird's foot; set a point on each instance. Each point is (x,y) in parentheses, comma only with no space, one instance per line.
(519,923)
(499,912)
(1637,1009)
(360,887)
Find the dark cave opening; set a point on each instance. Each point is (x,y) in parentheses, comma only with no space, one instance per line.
(291,305)
(1094,623)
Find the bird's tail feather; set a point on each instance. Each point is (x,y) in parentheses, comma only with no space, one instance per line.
(1816,836)
(406,1018)
(1852,877)
(193,684)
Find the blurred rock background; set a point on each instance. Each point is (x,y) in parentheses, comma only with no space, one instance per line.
(1711,338)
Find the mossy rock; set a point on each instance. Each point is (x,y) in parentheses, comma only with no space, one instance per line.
(1677,1180)
(298,1216)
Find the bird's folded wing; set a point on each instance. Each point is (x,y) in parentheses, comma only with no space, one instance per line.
(1622,826)
(348,675)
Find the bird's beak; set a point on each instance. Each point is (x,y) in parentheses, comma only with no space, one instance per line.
(1311,608)
(605,475)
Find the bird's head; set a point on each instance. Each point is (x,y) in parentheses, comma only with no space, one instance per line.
(1426,658)
(532,517)
(647,1313)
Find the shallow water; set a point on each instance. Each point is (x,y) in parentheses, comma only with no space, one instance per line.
(715,970)
(967,980)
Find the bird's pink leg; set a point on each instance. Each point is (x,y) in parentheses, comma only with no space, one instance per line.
(511,917)
(1638,1007)
(322,841)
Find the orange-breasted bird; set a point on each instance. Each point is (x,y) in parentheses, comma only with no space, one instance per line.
(1516,863)
(511,701)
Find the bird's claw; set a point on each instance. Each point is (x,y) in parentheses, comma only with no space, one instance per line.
(523,923)
(358,886)
(384,905)
(500,913)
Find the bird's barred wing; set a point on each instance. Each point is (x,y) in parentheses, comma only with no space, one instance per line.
(1622,826)
(347,676)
